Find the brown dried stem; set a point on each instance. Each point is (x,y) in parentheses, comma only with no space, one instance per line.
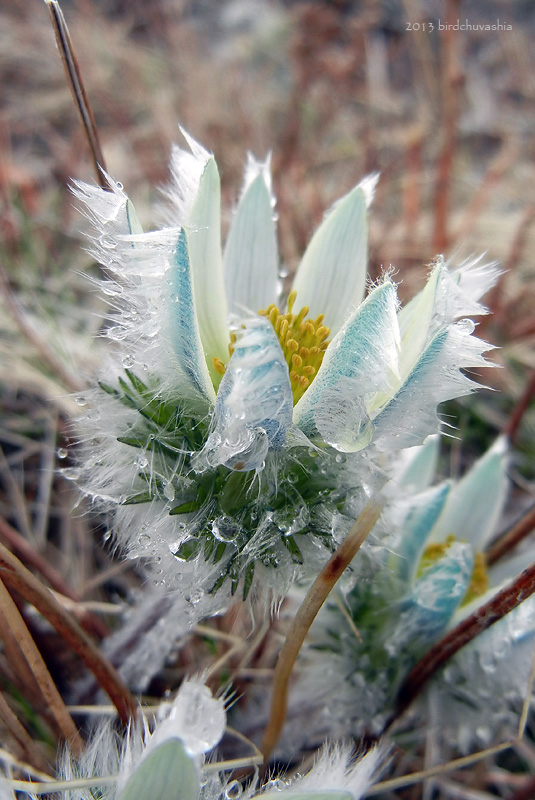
(450,111)
(482,618)
(28,748)
(74,78)
(512,537)
(520,409)
(18,577)
(307,612)
(23,548)
(31,653)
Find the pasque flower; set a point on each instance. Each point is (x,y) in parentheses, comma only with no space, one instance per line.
(408,588)
(233,432)
(167,759)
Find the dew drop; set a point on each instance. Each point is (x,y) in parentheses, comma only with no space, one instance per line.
(62,452)
(466,325)
(169,491)
(144,539)
(233,790)
(275,785)
(129,361)
(80,400)
(195,596)
(142,462)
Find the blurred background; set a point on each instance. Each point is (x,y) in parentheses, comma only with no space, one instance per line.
(438,96)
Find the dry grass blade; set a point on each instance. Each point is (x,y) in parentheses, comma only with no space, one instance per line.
(307,612)
(47,686)
(30,556)
(74,78)
(34,338)
(28,748)
(34,592)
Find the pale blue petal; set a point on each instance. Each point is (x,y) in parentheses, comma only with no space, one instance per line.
(204,243)
(447,297)
(416,529)
(434,597)
(410,416)
(253,411)
(360,361)
(166,771)
(476,502)
(185,336)
(251,260)
(418,465)
(331,278)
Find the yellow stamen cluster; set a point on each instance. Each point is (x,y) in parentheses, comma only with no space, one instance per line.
(303,342)
(479,581)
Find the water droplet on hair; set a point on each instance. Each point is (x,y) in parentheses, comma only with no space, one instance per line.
(466,325)
(144,539)
(62,452)
(169,491)
(80,400)
(195,596)
(128,361)
(276,785)
(233,790)
(142,462)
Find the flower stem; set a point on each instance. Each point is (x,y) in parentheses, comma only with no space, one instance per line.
(307,612)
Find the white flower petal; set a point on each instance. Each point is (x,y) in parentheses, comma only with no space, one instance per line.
(360,361)
(331,278)
(186,340)
(447,296)
(253,411)
(476,502)
(251,260)
(186,169)
(204,243)
(411,415)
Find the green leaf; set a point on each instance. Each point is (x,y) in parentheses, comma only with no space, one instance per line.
(248,580)
(295,552)
(141,497)
(186,508)
(188,549)
(167,773)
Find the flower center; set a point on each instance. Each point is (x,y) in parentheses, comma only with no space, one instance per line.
(479,581)
(303,342)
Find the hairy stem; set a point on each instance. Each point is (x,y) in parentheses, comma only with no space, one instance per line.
(307,612)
